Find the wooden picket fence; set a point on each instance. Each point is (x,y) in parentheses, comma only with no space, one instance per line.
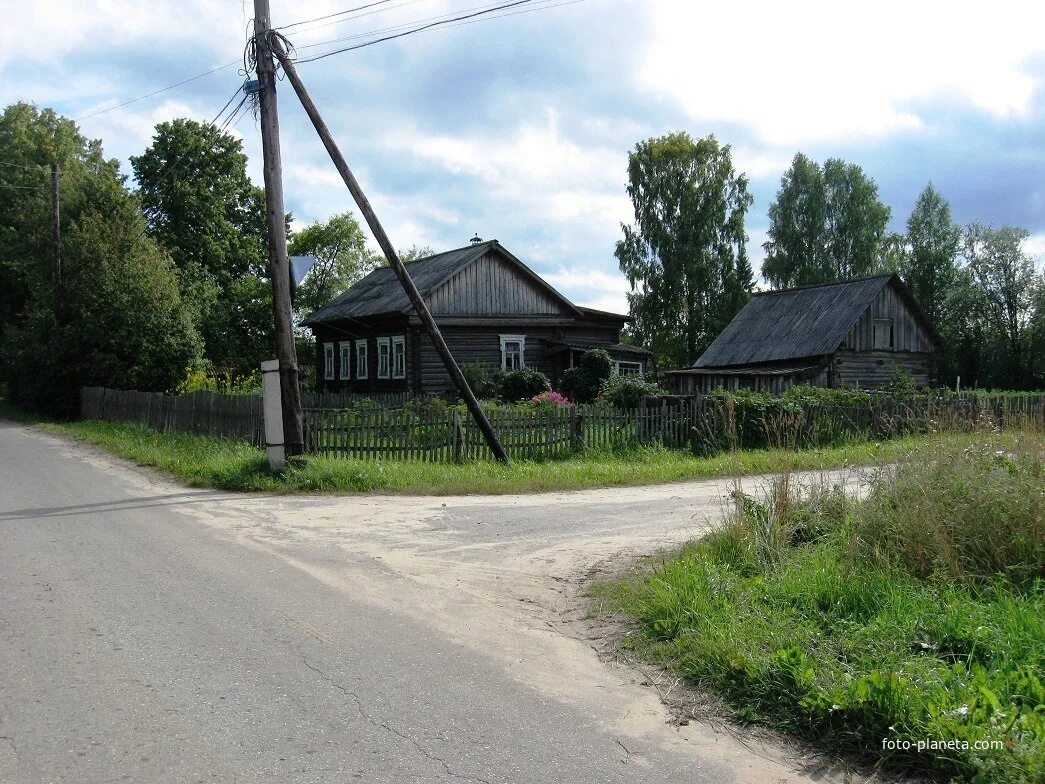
(237,417)
(705,425)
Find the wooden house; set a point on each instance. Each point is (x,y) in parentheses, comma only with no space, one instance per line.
(490,308)
(853,333)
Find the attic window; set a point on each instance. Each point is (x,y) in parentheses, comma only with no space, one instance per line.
(883,334)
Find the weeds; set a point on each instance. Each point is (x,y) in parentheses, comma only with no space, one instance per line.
(916,613)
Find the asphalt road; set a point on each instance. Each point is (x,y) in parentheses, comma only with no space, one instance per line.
(151,633)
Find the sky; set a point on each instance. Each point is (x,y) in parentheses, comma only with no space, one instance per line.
(518,128)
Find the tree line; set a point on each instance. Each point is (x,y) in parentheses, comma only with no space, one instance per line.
(686,261)
(155,279)
(165,275)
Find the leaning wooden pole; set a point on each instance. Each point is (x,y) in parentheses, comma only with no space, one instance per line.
(390,253)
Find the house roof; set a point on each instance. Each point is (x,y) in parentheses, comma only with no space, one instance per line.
(381,293)
(795,323)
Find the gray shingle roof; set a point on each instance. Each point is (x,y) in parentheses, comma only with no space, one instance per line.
(794,323)
(380,291)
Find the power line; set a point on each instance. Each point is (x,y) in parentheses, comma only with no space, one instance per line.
(402,4)
(330,16)
(414,30)
(157,92)
(395,27)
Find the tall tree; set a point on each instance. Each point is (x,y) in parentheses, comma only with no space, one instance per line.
(931,261)
(1006,279)
(122,322)
(826,224)
(203,209)
(685,257)
(342,258)
(796,252)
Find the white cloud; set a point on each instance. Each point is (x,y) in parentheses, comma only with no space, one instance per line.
(1035,246)
(592,288)
(808,71)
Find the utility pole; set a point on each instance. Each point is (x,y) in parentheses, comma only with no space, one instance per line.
(56,242)
(279,265)
(391,255)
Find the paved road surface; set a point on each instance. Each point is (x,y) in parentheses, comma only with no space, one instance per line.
(152,633)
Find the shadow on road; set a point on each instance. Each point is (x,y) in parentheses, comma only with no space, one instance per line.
(140,502)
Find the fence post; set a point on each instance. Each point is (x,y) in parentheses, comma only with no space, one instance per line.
(273,409)
(576,429)
(457,437)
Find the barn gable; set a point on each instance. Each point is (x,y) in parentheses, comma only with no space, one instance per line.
(480,280)
(496,284)
(814,321)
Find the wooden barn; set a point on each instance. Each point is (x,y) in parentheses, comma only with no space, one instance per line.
(852,333)
(490,307)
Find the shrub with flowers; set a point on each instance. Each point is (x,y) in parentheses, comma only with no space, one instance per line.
(550,400)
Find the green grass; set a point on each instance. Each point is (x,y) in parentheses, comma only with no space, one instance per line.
(210,462)
(917,614)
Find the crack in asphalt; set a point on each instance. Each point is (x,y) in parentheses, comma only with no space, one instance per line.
(427,753)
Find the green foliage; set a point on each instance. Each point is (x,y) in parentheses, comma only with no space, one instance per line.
(960,516)
(626,390)
(119,318)
(522,384)
(342,258)
(582,384)
(210,217)
(931,264)
(482,378)
(850,622)
(686,256)
(198,380)
(826,224)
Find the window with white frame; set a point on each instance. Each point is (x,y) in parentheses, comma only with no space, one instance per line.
(513,352)
(384,357)
(345,355)
(328,361)
(362,359)
(625,368)
(398,356)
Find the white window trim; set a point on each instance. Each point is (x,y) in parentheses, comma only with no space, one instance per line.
(385,343)
(521,340)
(398,340)
(362,363)
(618,362)
(328,361)
(344,355)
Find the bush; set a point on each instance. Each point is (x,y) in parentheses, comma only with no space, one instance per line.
(550,400)
(482,378)
(625,391)
(584,382)
(522,384)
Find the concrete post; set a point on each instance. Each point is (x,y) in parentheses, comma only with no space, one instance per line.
(272,407)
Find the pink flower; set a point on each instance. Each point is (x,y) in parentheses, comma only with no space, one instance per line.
(550,398)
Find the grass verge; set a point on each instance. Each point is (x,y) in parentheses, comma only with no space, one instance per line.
(201,461)
(913,616)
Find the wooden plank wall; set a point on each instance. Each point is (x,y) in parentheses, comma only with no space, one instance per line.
(491,286)
(907,334)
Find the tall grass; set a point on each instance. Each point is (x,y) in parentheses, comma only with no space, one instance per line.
(914,614)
